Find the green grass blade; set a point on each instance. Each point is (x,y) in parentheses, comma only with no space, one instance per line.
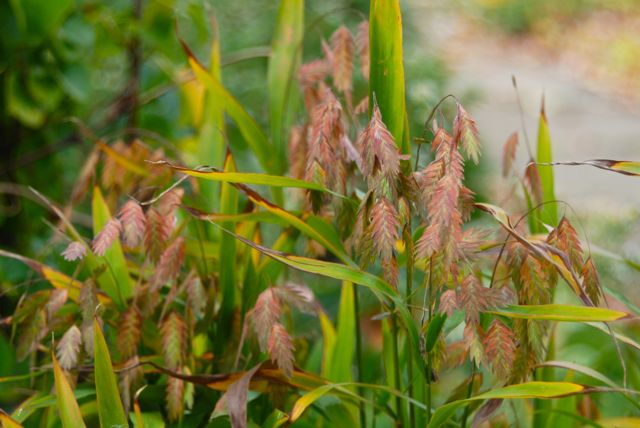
(386,73)
(110,408)
(248,127)
(285,57)
(544,390)
(227,256)
(549,211)
(114,257)
(340,370)
(248,178)
(556,312)
(67,405)
(211,143)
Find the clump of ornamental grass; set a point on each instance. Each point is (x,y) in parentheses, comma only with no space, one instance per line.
(444,284)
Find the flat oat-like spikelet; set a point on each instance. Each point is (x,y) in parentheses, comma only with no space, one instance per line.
(565,238)
(74,251)
(298,296)
(69,347)
(449,302)
(297,151)
(474,298)
(591,281)
(174,334)
(107,236)
(342,48)
(169,264)
(465,131)
(129,332)
(313,72)
(378,150)
(428,243)
(384,228)
(325,153)
(133,223)
(264,315)
(157,232)
(509,154)
(534,288)
(532,181)
(281,349)
(500,348)
(175,398)
(362,44)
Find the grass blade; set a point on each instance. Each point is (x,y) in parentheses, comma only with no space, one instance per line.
(211,144)
(544,390)
(285,57)
(556,312)
(67,405)
(386,73)
(548,211)
(631,168)
(227,256)
(247,178)
(110,408)
(340,370)
(248,127)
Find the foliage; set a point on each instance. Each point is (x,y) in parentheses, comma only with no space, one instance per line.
(201,305)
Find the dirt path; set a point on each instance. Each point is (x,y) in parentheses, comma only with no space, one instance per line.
(583,124)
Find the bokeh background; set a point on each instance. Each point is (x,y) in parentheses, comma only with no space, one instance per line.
(116,68)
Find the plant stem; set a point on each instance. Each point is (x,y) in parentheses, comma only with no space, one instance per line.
(363,420)
(428,308)
(396,365)
(408,245)
(465,415)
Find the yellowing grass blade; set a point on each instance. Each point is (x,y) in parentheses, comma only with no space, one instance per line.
(248,127)
(548,211)
(55,278)
(114,257)
(386,73)
(631,168)
(543,390)
(285,57)
(110,408)
(7,421)
(555,312)
(67,405)
(246,178)
(211,132)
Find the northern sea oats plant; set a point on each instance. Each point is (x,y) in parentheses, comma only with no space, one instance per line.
(200,305)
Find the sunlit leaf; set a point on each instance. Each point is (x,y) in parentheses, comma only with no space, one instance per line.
(67,405)
(543,390)
(386,73)
(110,408)
(286,51)
(556,312)
(249,128)
(548,211)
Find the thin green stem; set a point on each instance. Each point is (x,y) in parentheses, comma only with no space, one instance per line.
(465,415)
(396,365)
(408,245)
(361,410)
(429,309)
